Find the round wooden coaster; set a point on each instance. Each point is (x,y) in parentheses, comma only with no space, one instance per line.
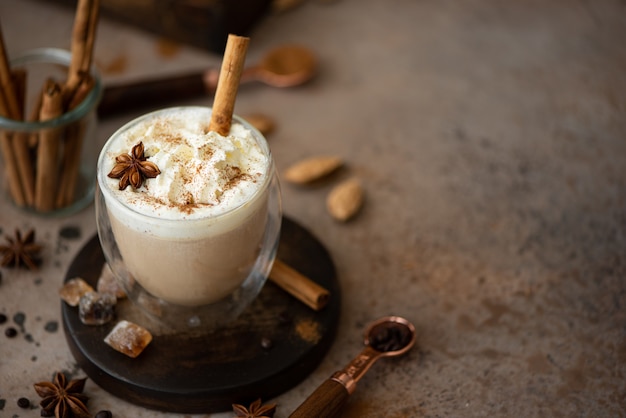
(270,348)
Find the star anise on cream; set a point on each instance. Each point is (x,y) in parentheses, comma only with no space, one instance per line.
(256,410)
(20,251)
(133,168)
(63,399)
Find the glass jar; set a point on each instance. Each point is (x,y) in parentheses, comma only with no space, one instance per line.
(195,267)
(49,166)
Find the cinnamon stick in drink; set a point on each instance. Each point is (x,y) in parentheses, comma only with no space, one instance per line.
(48,149)
(228,84)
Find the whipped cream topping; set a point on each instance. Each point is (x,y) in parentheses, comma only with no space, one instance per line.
(202,173)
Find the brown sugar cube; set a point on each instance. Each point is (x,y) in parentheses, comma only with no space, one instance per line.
(96,308)
(107,283)
(73,290)
(128,338)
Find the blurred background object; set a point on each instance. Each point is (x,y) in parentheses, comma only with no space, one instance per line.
(201,23)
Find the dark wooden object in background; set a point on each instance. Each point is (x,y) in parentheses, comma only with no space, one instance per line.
(202,23)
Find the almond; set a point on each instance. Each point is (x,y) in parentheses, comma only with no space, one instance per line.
(261,122)
(345,199)
(281,6)
(311,169)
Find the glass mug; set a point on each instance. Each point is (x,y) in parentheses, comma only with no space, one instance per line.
(190,273)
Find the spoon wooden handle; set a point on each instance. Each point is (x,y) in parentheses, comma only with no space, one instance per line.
(153,93)
(156,92)
(325,402)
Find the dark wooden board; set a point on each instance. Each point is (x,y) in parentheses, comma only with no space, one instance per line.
(206,373)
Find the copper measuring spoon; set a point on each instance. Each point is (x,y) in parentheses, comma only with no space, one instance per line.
(283,66)
(387,337)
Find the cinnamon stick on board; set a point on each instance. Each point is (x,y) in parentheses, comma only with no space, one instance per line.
(299,286)
(228,83)
(48,148)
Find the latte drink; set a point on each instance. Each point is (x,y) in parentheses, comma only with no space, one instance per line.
(191,235)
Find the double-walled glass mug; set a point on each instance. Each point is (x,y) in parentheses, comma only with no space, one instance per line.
(49,165)
(184,266)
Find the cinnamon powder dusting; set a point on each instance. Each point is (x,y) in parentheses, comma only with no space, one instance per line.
(309,331)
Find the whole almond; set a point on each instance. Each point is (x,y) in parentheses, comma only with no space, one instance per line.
(281,6)
(345,199)
(312,168)
(263,123)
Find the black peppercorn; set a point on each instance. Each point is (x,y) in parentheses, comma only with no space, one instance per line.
(10,332)
(104,414)
(3,318)
(23,403)
(70,232)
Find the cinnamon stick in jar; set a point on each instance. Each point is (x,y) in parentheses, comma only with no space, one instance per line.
(83,40)
(18,77)
(9,108)
(74,137)
(48,149)
(21,146)
(13,179)
(10,105)
(10,161)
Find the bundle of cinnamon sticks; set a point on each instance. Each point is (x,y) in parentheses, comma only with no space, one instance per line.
(42,167)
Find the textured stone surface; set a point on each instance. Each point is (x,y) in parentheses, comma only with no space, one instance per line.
(490,139)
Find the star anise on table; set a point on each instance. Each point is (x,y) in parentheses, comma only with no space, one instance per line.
(63,399)
(133,168)
(256,410)
(20,251)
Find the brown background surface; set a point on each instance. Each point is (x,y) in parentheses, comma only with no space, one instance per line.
(490,137)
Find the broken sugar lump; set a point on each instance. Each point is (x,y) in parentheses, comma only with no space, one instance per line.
(128,338)
(96,308)
(73,290)
(107,283)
